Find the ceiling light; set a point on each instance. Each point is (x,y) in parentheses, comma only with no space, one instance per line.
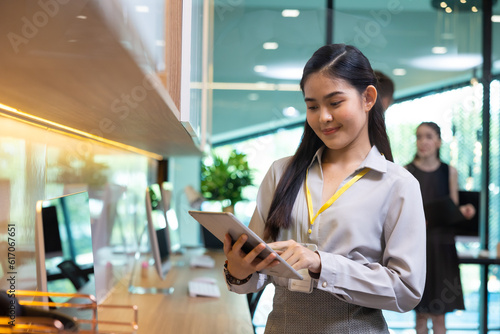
(270,45)
(447,62)
(81,17)
(253,96)
(290,112)
(495,18)
(459,5)
(285,72)
(439,50)
(290,13)
(399,72)
(260,68)
(142,9)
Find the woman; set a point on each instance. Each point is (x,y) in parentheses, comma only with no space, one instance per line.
(443,291)
(365,250)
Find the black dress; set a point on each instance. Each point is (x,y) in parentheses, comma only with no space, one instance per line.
(443,289)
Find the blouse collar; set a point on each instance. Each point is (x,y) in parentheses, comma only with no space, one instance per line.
(374,160)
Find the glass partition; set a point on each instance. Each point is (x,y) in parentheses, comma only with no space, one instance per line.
(260,48)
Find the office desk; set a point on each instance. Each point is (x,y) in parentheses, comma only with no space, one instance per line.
(484,262)
(179,313)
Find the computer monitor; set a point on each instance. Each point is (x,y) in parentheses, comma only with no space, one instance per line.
(63,236)
(158,231)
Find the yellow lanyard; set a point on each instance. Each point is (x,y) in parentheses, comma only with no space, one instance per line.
(335,196)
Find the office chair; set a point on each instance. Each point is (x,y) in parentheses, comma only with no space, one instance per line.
(253,301)
(71,271)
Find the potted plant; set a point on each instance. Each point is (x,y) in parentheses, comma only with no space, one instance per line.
(224,180)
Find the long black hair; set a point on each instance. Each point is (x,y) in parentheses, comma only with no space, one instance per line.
(338,61)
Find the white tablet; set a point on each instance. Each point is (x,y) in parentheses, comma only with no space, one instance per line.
(220,223)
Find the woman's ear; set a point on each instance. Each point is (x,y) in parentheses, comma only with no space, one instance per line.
(369,97)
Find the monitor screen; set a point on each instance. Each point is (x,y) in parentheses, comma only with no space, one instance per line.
(51,234)
(64,251)
(158,231)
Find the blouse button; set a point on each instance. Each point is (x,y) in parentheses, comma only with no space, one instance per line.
(324,284)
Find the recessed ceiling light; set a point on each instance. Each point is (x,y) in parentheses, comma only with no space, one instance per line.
(253,96)
(463,1)
(142,9)
(474,9)
(270,45)
(448,10)
(399,72)
(495,18)
(81,17)
(439,50)
(290,13)
(260,68)
(443,4)
(290,112)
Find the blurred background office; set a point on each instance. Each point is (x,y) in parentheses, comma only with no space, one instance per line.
(111,97)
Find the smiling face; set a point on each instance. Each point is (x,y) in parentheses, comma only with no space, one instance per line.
(428,142)
(337,112)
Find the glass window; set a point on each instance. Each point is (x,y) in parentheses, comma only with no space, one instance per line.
(421,47)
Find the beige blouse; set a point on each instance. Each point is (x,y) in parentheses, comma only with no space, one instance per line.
(371,240)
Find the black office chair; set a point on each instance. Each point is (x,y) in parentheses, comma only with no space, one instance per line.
(75,274)
(253,300)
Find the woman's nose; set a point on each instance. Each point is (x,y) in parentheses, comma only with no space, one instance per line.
(325,115)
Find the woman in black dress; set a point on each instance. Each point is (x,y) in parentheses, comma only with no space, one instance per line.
(443,290)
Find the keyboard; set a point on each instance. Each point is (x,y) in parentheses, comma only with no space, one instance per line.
(203,261)
(203,289)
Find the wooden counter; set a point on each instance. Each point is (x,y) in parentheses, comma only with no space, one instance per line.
(177,312)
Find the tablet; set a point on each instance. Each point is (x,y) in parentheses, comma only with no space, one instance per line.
(220,223)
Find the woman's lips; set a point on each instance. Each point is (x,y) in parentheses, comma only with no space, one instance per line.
(329,131)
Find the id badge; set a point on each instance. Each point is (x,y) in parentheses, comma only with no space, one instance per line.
(305,285)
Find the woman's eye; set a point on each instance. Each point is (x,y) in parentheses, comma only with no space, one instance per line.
(312,107)
(336,103)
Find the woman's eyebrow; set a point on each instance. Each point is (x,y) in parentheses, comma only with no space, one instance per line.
(327,96)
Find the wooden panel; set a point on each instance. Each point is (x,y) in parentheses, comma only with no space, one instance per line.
(77,73)
(173,49)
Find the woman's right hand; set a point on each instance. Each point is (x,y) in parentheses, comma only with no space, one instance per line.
(240,264)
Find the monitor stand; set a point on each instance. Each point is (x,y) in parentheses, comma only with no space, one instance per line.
(139,290)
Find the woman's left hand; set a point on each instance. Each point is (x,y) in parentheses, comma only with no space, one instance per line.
(468,210)
(298,256)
